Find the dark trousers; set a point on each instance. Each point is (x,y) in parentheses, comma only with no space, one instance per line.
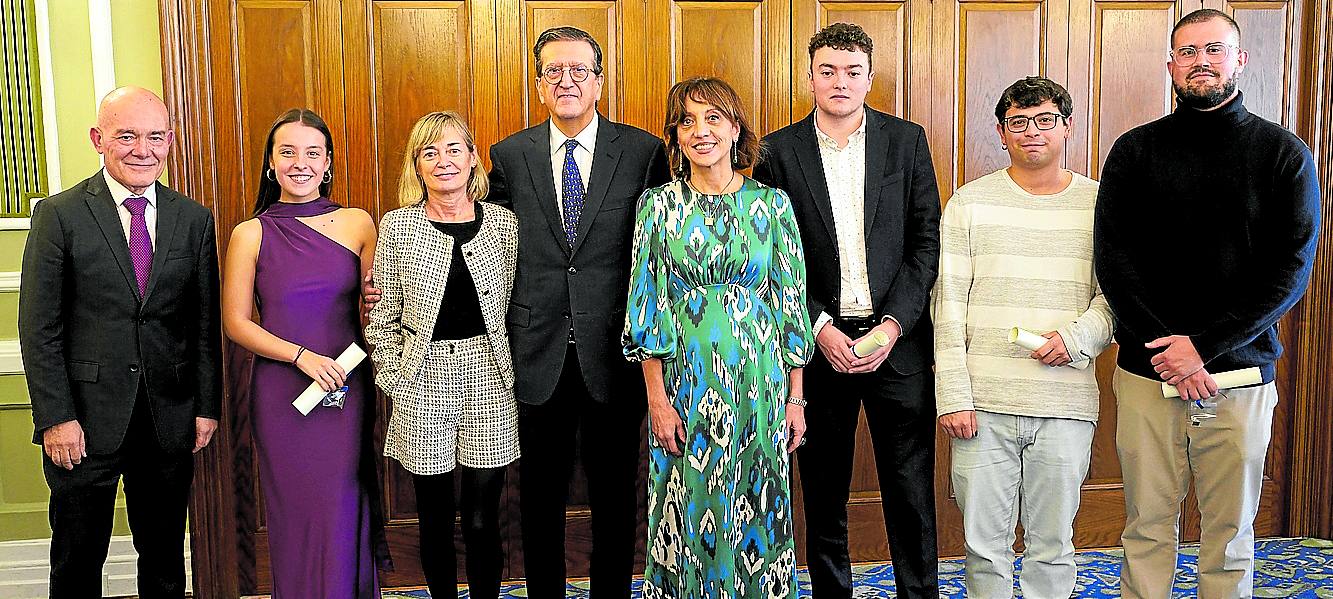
(900,411)
(157,492)
(609,444)
(479,502)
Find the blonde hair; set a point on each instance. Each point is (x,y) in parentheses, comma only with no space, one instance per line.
(428,130)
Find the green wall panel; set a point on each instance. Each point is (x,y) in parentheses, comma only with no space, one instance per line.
(9,316)
(13,392)
(11,250)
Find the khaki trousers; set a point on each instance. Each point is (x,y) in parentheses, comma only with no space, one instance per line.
(1160,451)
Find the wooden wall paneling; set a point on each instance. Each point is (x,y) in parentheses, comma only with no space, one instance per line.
(422,62)
(1129,41)
(746,43)
(887,23)
(1269,44)
(1310,513)
(998,43)
(188,92)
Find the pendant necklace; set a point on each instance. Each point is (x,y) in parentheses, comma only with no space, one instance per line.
(713,204)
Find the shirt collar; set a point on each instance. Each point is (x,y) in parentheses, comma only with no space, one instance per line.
(587,138)
(119,192)
(828,142)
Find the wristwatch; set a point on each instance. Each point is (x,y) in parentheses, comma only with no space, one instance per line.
(797,401)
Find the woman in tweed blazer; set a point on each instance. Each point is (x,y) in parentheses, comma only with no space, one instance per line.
(445,263)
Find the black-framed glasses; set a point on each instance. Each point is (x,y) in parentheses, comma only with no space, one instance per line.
(554,74)
(1214,53)
(1044,122)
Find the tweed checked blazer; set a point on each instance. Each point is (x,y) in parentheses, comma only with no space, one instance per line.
(412,261)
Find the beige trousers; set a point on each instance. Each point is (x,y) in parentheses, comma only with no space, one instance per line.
(1160,451)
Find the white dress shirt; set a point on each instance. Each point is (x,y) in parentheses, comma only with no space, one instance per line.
(587,139)
(845,175)
(119,193)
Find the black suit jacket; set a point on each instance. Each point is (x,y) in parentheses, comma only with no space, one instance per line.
(902,224)
(558,286)
(89,340)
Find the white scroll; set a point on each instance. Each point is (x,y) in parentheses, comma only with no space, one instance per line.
(1225,380)
(871,344)
(1031,341)
(313,394)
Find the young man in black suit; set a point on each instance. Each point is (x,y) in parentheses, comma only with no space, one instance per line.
(863,189)
(118,324)
(573,181)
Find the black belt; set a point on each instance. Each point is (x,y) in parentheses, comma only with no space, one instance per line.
(859,324)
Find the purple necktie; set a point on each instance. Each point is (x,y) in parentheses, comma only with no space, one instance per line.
(141,246)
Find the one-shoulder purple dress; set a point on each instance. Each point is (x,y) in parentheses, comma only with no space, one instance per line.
(318,505)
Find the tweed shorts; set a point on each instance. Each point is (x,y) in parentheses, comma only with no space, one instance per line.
(456,411)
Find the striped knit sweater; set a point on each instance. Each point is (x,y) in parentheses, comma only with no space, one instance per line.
(1009,258)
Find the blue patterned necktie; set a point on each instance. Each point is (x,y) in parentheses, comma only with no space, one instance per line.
(571,187)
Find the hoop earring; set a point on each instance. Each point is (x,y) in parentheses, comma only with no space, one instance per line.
(328,176)
(268,174)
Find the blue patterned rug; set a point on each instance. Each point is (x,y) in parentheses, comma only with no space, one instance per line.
(1283,568)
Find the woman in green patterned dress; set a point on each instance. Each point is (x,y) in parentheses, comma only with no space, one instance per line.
(717,316)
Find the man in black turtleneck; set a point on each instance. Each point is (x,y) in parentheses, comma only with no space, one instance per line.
(1206,225)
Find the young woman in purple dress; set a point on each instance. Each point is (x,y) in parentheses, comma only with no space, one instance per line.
(298,265)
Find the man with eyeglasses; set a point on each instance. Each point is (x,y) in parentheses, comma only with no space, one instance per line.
(1016,251)
(573,182)
(1206,226)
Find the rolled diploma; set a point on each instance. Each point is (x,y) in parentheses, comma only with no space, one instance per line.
(1031,341)
(1225,380)
(868,345)
(313,394)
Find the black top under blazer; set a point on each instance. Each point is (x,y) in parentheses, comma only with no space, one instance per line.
(87,338)
(902,224)
(584,286)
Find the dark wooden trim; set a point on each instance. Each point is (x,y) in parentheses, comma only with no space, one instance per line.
(1310,511)
(186,86)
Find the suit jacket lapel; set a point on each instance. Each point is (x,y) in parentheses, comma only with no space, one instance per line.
(168,214)
(103,208)
(877,156)
(538,156)
(812,171)
(604,163)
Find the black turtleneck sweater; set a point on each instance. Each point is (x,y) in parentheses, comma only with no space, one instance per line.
(1206,225)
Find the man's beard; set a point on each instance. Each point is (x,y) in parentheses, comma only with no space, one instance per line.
(1205,97)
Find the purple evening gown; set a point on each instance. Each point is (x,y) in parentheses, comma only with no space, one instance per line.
(318,505)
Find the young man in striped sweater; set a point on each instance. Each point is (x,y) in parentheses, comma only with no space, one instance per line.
(1016,251)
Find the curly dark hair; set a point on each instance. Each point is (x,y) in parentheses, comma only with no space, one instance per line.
(1034,91)
(843,36)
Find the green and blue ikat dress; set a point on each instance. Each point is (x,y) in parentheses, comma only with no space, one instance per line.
(717,292)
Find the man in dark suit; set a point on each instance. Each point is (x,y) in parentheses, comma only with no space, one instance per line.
(863,189)
(574,181)
(118,324)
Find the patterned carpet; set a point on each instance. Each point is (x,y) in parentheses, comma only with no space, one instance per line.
(1284,568)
